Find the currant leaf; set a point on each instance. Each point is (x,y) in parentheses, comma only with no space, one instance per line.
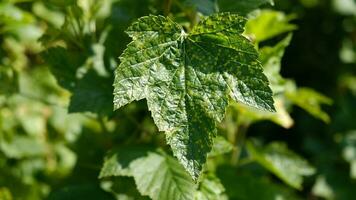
(188,78)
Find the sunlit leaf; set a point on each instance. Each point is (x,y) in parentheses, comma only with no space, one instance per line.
(268,24)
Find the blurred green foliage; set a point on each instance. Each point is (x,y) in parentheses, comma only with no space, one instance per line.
(57,124)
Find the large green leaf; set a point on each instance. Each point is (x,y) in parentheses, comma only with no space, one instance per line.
(156,175)
(188,79)
(281,161)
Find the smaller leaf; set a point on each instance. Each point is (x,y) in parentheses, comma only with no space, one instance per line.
(244,185)
(117,163)
(92,93)
(161,177)
(271,58)
(156,175)
(5,194)
(349,152)
(64,65)
(8,80)
(210,188)
(322,189)
(221,146)
(21,147)
(282,162)
(280,117)
(268,24)
(310,101)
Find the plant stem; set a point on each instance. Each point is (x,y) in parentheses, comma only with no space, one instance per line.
(238,138)
(167,7)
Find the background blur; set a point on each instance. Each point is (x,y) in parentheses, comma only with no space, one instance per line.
(44,149)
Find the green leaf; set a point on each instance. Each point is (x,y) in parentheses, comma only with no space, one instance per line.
(221,146)
(5,194)
(281,161)
(349,151)
(118,162)
(8,80)
(280,117)
(244,185)
(271,58)
(156,175)
(242,6)
(64,65)
(92,93)
(21,147)
(333,183)
(268,24)
(210,188)
(163,172)
(310,101)
(188,79)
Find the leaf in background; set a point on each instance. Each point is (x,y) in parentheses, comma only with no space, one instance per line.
(188,79)
(243,185)
(163,172)
(242,6)
(282,162)
(271,58)
(346,7)
(310,101)
(280,117)
(118,162)
(333,183)
(322,189)
(268,24)
(156,175)
(21,147)
(349,151)
(64,65)
(5,194)
(221,146)
(8,80)
(210,188)
(92,93)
